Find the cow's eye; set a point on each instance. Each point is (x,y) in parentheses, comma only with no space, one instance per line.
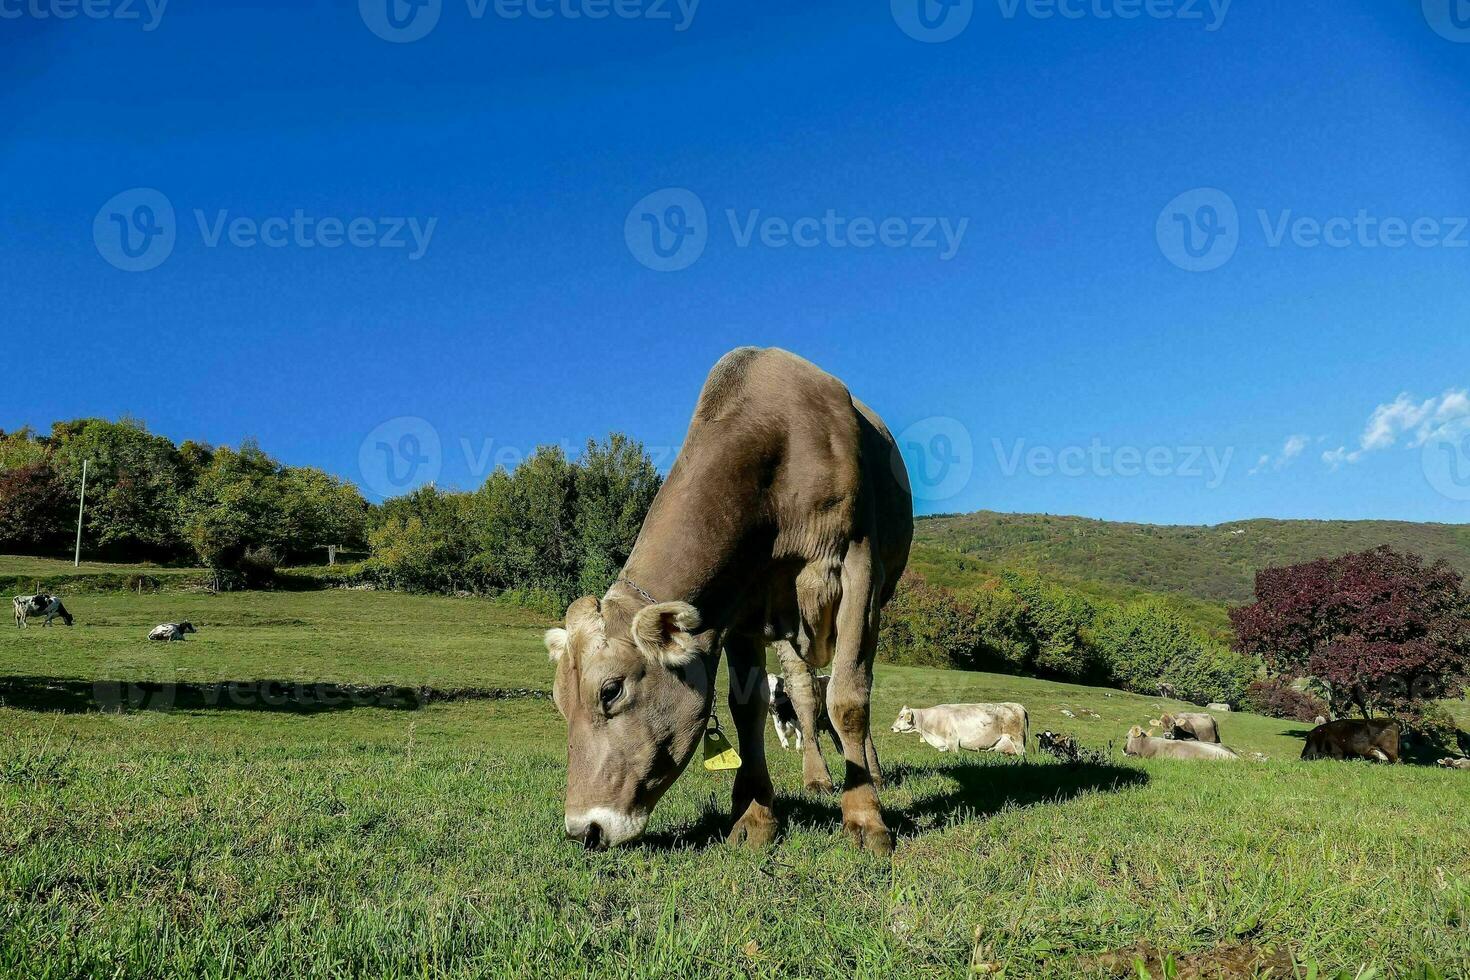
(611,691)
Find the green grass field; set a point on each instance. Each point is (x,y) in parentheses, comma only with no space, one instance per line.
(390,804)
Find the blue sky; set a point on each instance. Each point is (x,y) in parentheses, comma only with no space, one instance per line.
(976,218)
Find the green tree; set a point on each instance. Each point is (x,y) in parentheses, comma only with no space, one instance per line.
(1147,647)
(1003,640)
(235,509)
(1059,621)
(615,486)
(133,482)
(423,542)
(316,510)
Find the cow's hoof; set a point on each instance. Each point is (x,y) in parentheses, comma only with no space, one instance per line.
(753,831)
(822,784)
(872,837)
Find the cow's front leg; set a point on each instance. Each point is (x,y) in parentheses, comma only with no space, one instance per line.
(780,731)
(755,823)
(848,696)
(801,689)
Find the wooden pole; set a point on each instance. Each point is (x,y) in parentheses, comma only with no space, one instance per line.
(81,508)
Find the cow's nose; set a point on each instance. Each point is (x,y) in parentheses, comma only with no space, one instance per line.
(590,834)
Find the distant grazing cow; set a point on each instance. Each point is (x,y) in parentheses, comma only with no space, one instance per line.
(1149,747)
(169,632)
(41,604)
(1354,738)
(1218,706)
(1453,763)
(1320,720)
(999,728)
(1189,725)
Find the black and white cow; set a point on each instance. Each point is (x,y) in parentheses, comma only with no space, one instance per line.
(169,632)
(40,604)
(783,712)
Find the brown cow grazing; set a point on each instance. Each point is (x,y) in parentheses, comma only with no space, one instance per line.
(786,519)
(1189,725)
(1149,747)
(1354,738)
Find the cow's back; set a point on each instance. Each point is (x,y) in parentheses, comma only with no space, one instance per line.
(804,470)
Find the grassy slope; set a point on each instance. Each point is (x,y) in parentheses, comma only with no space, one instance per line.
(1211,563)
(958,570)
(278,839)
(22,575)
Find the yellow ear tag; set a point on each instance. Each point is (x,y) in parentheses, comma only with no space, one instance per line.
(719,754)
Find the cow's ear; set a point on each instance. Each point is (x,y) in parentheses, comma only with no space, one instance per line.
(556,644)
(665,631)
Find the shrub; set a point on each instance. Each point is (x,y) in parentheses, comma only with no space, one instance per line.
(926,626)
(258,567)
(1275,698)
(1003,642)
(1146,645)
(1059,622)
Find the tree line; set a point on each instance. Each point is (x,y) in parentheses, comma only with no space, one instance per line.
(1017,623)
(148,499)
(1371,632)
(552,529)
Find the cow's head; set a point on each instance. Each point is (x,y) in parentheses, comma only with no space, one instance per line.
(1135,738)
(187,627)
(634,688)
(905,721)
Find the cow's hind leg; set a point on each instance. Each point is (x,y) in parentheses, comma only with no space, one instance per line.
(755,823)
(848,697)
(801,689)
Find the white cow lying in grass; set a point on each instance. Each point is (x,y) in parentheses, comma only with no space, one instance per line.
(1148,747)
(999,728)
(169,632)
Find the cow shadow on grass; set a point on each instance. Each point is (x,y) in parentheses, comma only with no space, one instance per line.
(77,696)
(962,792)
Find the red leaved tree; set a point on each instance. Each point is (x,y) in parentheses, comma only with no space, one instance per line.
(35,508)
(1379,630)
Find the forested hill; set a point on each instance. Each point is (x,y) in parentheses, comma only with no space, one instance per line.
(1209,562)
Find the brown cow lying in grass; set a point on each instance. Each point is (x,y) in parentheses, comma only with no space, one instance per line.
(1148,747)
(1449,762)
(1354,738)
(1186,725)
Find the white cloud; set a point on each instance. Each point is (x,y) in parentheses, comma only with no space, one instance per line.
(1294,447)
(1404,416)
(1390,421)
